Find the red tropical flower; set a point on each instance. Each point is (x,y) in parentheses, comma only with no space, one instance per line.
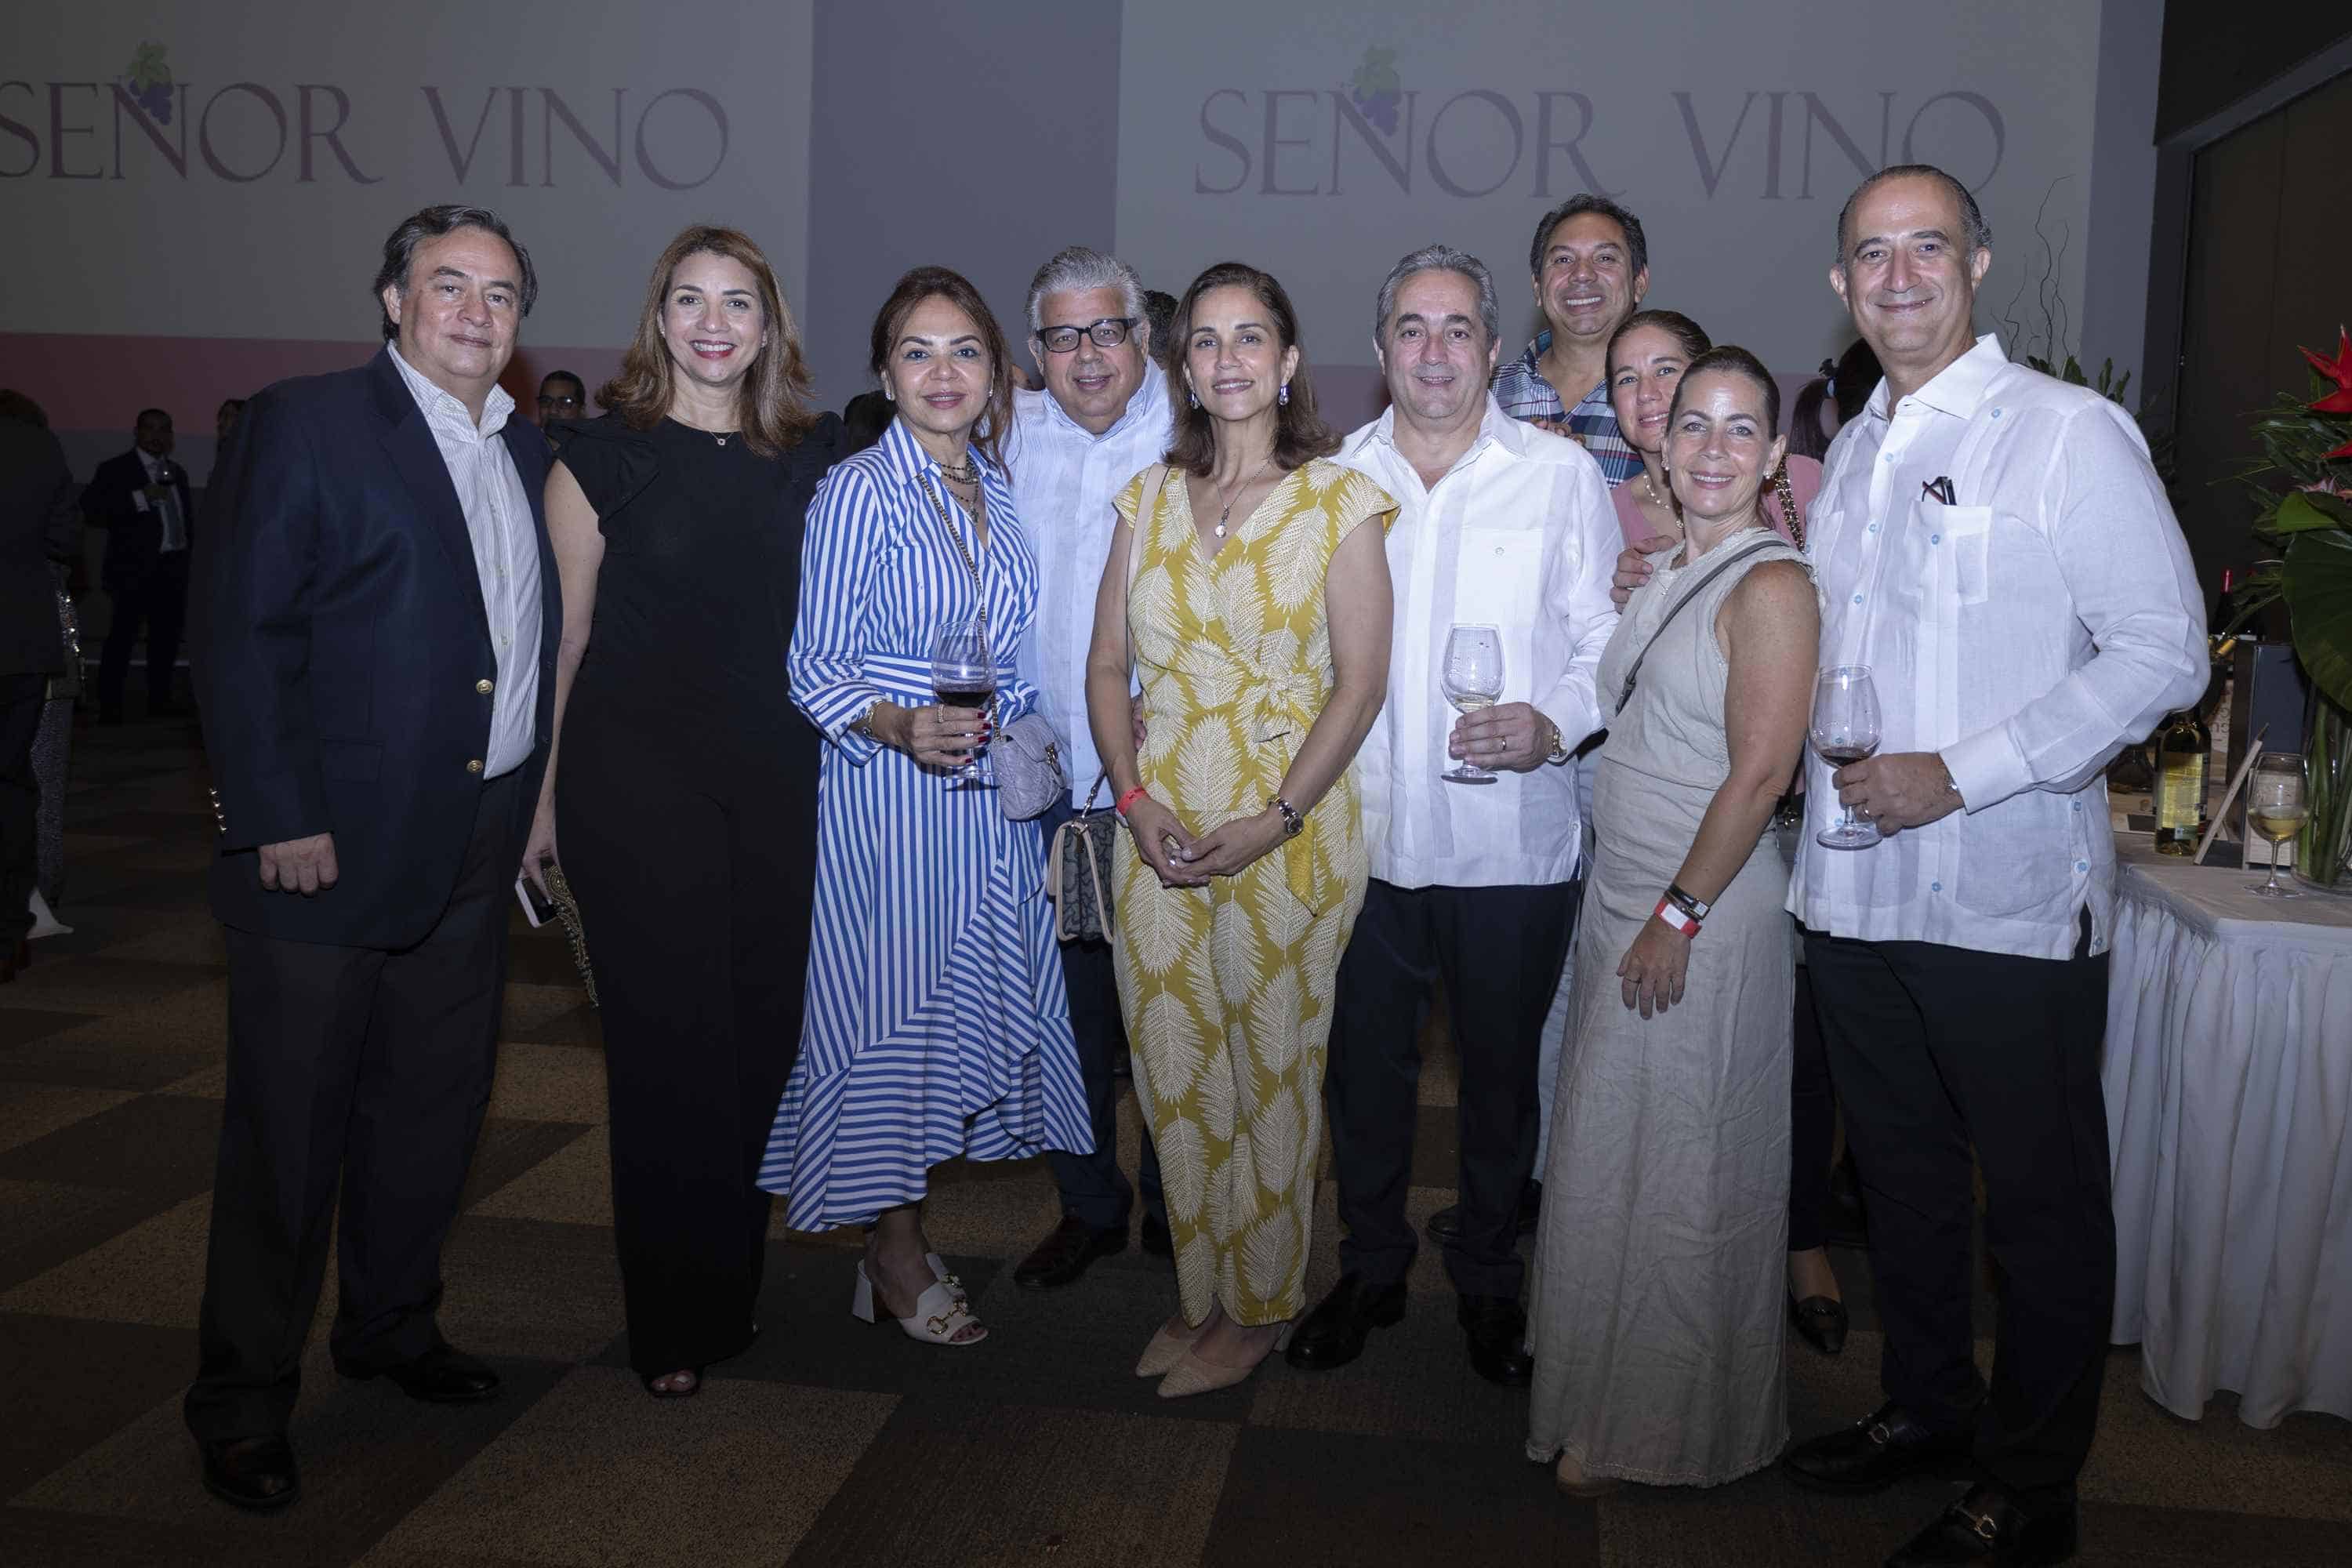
(2337,370)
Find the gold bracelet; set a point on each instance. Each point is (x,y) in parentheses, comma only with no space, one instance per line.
(864,723)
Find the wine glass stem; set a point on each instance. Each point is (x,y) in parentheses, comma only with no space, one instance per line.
(2271,886)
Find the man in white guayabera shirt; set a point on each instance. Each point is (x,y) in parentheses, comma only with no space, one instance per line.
(1102,419)
(1995,546)
(1503,525)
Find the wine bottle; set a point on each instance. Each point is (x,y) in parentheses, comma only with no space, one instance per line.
(2184,755)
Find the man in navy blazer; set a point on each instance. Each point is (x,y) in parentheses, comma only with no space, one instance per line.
(140,498)
(375,670)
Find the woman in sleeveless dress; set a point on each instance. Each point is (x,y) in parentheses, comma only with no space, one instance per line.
(1248,589)
(1656,1309)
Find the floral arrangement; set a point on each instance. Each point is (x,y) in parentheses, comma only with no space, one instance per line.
(2303,480)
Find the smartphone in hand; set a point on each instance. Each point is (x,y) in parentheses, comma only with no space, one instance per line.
(537,907)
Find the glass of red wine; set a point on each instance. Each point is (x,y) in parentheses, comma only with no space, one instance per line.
(963,675)
(1846,730)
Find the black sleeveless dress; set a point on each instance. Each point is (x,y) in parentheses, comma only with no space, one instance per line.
(685,821)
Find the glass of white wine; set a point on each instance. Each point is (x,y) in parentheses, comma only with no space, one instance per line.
(1472,679)
(2275,809)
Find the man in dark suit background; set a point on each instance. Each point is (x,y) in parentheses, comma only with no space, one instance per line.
(140,498)
(38,534)
(375,670)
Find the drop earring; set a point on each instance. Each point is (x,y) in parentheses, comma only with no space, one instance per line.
(1192,398)
(1283,397)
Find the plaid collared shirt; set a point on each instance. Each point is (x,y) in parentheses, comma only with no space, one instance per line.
(1524,393)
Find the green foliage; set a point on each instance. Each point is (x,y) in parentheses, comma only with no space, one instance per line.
(2301,482)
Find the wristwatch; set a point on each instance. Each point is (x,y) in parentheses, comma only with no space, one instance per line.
(1558,753)
(1292,824)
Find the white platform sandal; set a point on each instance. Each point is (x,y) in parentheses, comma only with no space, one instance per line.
(942,1312)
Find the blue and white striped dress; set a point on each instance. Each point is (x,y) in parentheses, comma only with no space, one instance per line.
(937,1024)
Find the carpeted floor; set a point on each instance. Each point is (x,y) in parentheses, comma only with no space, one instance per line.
(830,1442)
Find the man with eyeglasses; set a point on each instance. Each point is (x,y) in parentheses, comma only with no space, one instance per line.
(1103,418)
(562,395)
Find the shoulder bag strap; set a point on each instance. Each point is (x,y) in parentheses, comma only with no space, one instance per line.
(1720,567)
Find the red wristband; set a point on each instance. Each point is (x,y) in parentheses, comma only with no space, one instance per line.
(1676,916)
(1129,798)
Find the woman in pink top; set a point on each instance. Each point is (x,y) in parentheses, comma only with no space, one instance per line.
(1645,360)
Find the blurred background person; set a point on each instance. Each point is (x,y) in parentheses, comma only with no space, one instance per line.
(140,498)
(38,535)
(1841,392)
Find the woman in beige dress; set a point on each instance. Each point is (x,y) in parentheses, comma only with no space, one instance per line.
(1656,1309)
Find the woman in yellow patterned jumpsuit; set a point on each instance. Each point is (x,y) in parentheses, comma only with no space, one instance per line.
(1244,594)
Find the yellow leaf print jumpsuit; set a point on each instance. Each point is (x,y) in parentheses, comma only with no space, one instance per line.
(1227,988)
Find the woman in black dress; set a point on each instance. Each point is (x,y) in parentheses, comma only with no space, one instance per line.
(686,808)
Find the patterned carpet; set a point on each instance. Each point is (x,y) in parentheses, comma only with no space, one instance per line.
(830,1442)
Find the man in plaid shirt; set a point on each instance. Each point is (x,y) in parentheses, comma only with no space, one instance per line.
(1592,267)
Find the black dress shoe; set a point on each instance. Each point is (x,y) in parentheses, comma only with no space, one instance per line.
(1333,1334)
(1497,1328)
(1822,1323)
(1875,1451)
(1445,1225)
(1155,1238)
(1064,1255)
(442,1375)
(1987,1526)
(251,1472)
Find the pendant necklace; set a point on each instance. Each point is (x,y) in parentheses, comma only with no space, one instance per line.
(1228,499)
(1652,491)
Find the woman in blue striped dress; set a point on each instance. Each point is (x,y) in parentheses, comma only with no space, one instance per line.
(936,1022)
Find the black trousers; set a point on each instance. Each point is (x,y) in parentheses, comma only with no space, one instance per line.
(695,891)
(363,1065)
(159,600)
(21,697)
(1498,950)
(1935,1050)
(1813,1124)
(1094,1189)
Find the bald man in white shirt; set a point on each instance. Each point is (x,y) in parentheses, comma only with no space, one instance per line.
(1508,526)
(1995,545)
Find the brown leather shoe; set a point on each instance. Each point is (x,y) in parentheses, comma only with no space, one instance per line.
(1065,1253)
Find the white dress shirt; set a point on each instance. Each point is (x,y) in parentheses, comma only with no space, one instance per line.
(175,526)
(1064,478)
(2026,633)
(506,554)
(1520,536)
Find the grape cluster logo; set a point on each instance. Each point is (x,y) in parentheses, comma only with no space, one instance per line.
(150,82)
(1375,89)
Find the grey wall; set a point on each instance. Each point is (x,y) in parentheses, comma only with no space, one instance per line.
(2123,192)
(979,137)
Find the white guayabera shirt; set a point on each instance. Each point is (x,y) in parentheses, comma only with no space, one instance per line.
(1518,534)
(2027,632)
(1064,480)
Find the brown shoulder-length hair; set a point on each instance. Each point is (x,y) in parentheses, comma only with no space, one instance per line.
(940,283)
(771,405)
(1299,432)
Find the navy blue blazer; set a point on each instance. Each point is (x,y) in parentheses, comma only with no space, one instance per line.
(342,655)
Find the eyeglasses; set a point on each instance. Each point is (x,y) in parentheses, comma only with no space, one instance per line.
(1108,332)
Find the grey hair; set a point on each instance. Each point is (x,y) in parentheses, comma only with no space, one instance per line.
(1439,258)
(1975,233)
(431,223)
(1076,270)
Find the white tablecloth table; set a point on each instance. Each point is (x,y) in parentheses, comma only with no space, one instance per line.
(2228,1073)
